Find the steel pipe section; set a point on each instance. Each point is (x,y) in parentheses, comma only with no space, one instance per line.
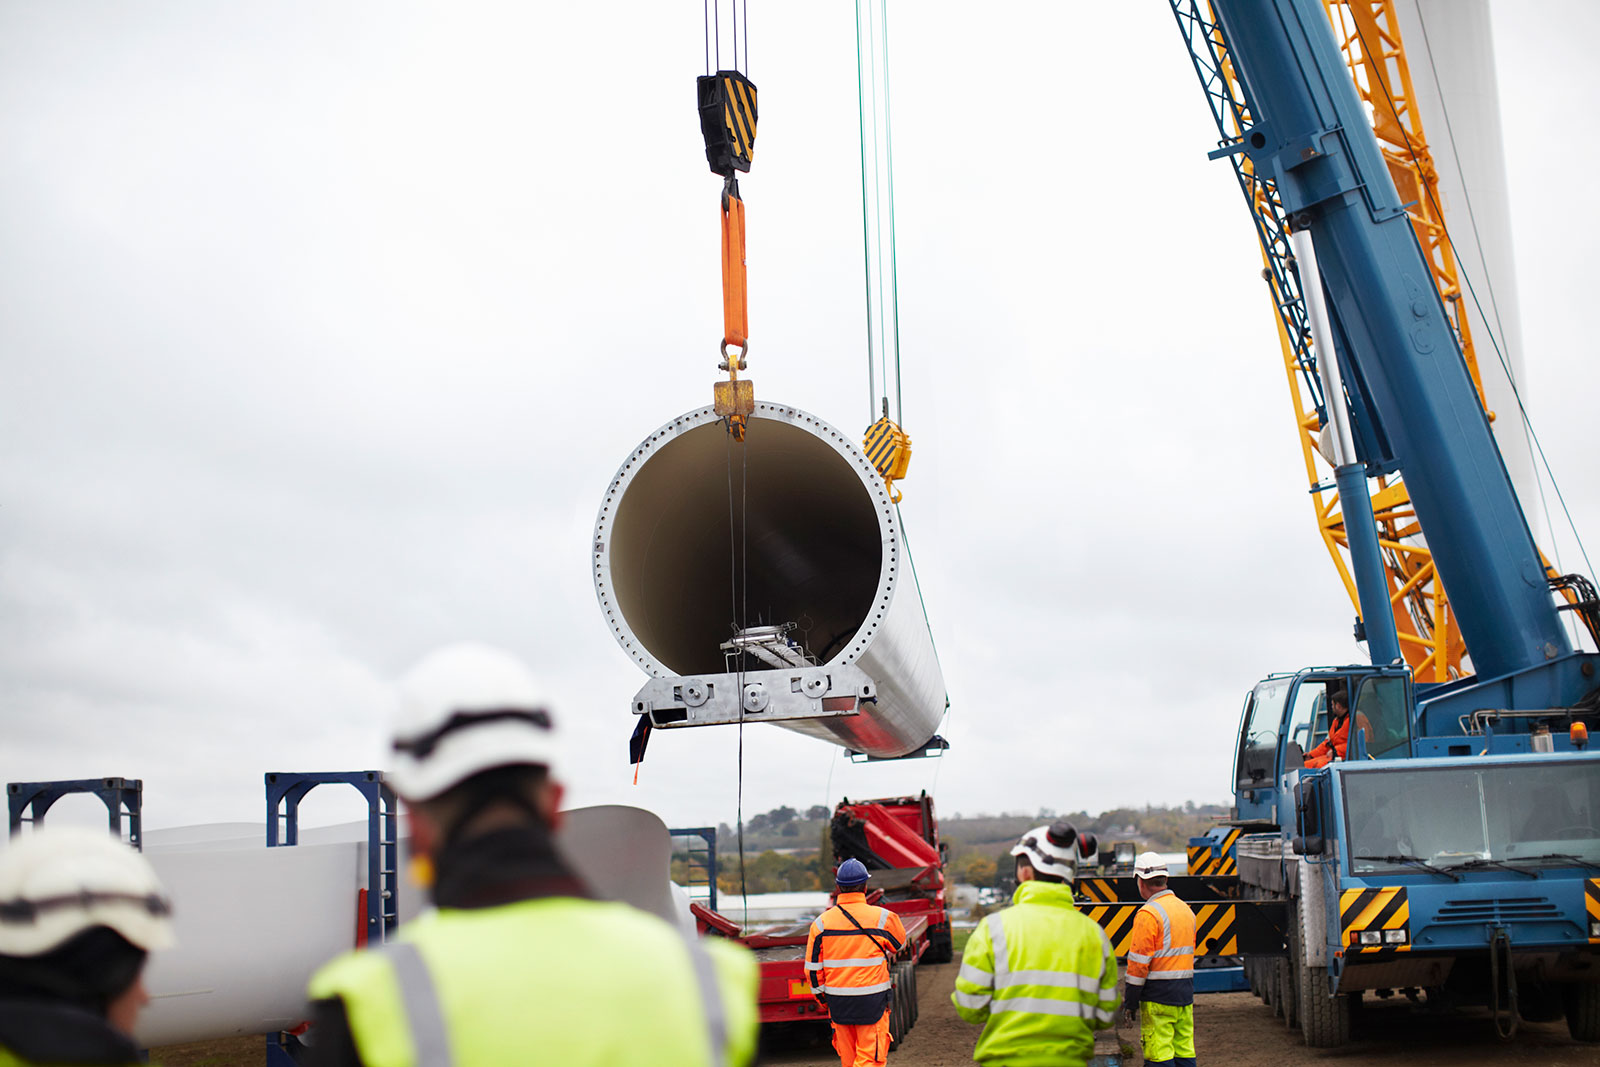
(792,529)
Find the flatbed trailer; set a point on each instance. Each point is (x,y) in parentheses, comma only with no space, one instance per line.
(897,839)
(784,992)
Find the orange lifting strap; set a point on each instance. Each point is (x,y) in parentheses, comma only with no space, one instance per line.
(735,316)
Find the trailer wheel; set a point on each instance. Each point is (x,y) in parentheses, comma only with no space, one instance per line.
(911,992)
(940,947)
(1324,1020)
(1583,1011)
(897,1009)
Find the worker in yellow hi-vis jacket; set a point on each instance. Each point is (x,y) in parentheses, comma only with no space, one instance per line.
(1040,975)
(517,964)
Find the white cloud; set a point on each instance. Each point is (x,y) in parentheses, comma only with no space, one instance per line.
(325,329)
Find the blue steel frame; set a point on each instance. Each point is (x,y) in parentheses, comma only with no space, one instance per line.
(708,834)
(123,798)
(285,791)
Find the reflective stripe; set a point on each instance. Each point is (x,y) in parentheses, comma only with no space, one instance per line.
(1046,1006)
(883,918)
(997,938)
(854,990)
(870,961)
(974,1001)
(1168,953)
(1138,957)
(420,1002)
(1056,979)
(816,924)
(1166,923)
(1158,976)
(705,973)
(976,975)
(1135,979)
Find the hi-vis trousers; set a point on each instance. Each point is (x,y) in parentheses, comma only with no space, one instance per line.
(1167,1034)
(862,1046)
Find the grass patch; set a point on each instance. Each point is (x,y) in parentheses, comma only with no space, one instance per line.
(958,940)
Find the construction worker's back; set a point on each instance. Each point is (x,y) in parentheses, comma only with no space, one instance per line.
(518,963)
(848,951)
(1161,968)
(79,913)
(555,979)
(1040,975)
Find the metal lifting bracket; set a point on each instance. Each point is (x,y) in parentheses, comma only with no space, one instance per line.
(767,696)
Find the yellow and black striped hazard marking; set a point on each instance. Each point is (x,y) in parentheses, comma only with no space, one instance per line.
(1591,902)
(1216,926)
(1100,890)
(1216,930)
(739,113)
(1117,921)
(1383,910)
(887,448)
(1215,859)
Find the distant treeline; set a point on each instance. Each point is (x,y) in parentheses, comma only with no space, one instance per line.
(787,850)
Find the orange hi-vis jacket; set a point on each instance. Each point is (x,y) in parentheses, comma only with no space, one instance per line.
(848,949)
(1338,740)
(1161,953)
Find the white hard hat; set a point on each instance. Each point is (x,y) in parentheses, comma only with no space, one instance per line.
(464,709)
(1150,865)
(1056,849)
(56,883)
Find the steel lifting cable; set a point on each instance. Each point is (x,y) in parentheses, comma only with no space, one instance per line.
(727,106)
(1494,341)
(886,444)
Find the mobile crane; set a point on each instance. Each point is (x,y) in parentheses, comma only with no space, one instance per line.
(1456,847)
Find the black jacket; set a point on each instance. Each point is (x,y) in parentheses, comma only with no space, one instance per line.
(57,1033)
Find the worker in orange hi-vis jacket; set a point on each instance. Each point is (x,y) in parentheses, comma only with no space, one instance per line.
(848,951)
(1160,980)
(1337,742)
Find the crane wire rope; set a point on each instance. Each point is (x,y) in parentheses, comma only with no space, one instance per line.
(1494,341)
(878,239)
(880,254)
(1499,326)
(737,556)
(711,17)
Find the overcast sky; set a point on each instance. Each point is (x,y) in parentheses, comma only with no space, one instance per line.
(325,326)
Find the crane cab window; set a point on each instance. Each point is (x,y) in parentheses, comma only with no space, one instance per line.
(1381,709)
(1308,719)
(1258,737)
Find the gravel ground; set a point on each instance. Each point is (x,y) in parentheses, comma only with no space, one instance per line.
(1232,1029)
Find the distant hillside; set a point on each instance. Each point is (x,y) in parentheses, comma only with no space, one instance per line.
(977,844)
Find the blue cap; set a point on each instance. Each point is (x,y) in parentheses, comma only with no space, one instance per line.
(852,872)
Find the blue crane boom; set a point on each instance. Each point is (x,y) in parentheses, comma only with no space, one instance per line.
(1409,385)
(1453,843)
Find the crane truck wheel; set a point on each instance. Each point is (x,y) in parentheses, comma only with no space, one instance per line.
(1324,1020)
(1540,1002)
(1289,979)
(1583,1011)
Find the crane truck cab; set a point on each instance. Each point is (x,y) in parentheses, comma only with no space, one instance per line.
(1474,878)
